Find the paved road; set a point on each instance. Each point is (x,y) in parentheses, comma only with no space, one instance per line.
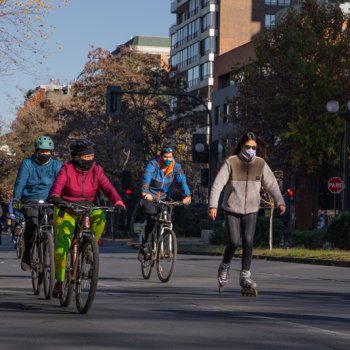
(299,307)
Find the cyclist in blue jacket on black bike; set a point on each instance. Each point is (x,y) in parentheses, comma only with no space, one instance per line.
(33,183)
(160,176)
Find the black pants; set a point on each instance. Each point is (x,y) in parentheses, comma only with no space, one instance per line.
(149,209)
(239,225)
(32,222)
(31,215)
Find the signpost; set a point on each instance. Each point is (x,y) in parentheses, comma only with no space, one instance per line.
(335,186)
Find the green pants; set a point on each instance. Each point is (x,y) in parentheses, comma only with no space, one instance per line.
(64,231)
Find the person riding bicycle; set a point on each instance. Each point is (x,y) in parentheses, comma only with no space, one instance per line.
(159,179)
(33,183)
(78,181)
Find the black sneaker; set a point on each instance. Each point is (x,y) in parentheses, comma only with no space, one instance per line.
(57,291)
(25,263)
(144,253)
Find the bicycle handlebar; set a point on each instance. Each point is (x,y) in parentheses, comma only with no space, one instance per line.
(168,203)
(36,205)
(72,205)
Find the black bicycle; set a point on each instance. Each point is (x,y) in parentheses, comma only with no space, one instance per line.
(162,243)
(42,260)
(82,269)
(18,225)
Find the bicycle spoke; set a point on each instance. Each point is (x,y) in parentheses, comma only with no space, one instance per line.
(166,255)
(87,273)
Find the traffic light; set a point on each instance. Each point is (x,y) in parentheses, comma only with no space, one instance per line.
(200,152)
(113,100)
(290,193)
(205,177)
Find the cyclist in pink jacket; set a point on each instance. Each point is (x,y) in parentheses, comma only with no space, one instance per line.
(78,181)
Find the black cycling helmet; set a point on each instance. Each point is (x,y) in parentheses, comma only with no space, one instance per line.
(167,149)
(81,146)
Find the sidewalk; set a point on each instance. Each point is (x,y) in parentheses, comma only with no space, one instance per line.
(194,246)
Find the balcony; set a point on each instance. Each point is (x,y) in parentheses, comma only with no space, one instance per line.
(175,4)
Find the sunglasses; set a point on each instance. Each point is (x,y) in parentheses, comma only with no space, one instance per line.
(250,147)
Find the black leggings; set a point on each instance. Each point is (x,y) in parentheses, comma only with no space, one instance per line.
(238,225)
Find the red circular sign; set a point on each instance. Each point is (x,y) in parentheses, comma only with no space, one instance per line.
(335,185)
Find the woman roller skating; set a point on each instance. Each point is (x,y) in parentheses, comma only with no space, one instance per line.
(242,175)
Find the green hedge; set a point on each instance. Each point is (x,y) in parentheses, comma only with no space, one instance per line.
(282,236)
(338,232)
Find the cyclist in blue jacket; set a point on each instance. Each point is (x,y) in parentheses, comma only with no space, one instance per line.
(33,183)
(160,177)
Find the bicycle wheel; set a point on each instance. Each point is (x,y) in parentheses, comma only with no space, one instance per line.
(88,266)
(48,263)
(147,263)
(166,255)
(36,268)
(68,284)
(146,268)
(19,245)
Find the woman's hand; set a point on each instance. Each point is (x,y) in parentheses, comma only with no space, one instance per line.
(147,196)
(186,200)
(212,213)
(282,209)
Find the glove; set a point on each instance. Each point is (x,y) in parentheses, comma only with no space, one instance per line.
(16,204)
(120,203)
(56,200)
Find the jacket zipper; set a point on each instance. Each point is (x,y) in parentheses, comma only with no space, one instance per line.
(83,182)
(246,190)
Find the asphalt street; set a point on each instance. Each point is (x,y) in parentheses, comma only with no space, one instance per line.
(299,306)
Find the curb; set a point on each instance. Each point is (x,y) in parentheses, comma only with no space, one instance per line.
(310,261)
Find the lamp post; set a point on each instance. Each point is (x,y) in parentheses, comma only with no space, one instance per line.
(333,107)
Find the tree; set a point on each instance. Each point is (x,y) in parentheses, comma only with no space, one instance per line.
(146,122)
(300,64)
(37,116)
(23,33)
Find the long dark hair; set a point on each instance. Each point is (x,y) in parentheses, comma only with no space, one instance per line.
(261,150)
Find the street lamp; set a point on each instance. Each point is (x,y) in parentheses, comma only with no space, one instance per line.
(333,107)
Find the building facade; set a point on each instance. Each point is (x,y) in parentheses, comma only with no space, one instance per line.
(205,29)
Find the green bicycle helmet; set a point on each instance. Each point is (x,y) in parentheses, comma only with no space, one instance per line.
(44,142)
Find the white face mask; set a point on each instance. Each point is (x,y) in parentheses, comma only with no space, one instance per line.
(249,153)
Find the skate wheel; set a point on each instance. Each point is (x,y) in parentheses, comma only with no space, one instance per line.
(249,292)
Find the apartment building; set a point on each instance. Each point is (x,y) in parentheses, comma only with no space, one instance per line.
(207,28)
(153,45)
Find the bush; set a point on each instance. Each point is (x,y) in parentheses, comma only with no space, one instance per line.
(220,236)
(190,220)
(262,231)
(312,239)
(338,232)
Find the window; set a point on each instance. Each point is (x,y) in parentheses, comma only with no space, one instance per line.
(206,70)
(284,2)
(193,76)
(269,20)
(205,22)
(270,2)
(193,7)
(205,3)
(205,46)
(226,111)
(224,80)
(216,115)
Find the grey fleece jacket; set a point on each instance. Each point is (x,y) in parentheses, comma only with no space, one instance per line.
(243,180)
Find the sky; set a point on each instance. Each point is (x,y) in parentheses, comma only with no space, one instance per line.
(78,26)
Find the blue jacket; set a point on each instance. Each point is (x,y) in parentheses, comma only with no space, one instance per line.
(34,180)
(155,181)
